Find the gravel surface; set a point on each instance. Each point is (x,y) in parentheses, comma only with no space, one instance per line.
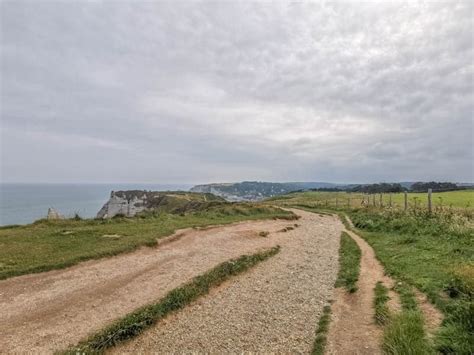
(272,308)
(45,312)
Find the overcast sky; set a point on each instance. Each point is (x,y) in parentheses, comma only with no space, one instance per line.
(193,92)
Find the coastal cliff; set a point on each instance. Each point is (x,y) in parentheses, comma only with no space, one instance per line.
(126,203)
(132,202)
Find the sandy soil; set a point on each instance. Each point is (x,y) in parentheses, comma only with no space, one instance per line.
(352,329)
(273,308)
(49,311)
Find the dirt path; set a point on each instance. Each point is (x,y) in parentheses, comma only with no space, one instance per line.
(432,316)
(273,308)
(49,311)
(52,310)
(352,329)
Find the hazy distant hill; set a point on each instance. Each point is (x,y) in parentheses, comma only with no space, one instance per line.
(257,190)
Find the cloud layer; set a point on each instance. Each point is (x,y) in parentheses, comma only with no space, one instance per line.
(227,91)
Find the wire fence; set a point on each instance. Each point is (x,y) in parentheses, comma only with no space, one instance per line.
(414,202)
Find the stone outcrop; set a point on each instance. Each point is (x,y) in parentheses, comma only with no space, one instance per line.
(53,214)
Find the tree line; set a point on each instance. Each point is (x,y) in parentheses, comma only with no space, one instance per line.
(395,187)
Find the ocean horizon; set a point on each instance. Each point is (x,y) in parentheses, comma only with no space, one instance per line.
(23,203)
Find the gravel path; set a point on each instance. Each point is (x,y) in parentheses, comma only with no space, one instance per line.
(272,308)
(44,312)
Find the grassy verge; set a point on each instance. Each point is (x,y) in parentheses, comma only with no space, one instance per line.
(320,341)
(382,313)
(46,245)
(143,318)
(434,253)
(349,263)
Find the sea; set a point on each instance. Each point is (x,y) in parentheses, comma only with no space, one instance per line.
(26,203)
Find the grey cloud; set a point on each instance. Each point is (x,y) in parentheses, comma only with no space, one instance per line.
(200,91)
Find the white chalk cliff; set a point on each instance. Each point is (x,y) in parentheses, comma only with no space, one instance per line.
(123,203)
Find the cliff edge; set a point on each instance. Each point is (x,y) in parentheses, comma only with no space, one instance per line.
(132,202)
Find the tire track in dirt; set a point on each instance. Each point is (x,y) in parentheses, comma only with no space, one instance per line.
(432,315)
(352,329)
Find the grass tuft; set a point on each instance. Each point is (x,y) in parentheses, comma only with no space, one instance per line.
(382,313)
(320,341)
(349,263)
(135,323)
(405,334)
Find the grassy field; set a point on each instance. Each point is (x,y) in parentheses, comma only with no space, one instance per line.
(451,199)
(457,199)
(434,253)
(46,245)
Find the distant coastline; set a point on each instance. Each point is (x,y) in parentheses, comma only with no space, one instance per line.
(23,203)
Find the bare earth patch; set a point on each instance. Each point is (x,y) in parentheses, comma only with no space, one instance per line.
(432,316)
(273,308)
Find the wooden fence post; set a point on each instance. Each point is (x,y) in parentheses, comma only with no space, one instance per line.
(406,200)
(336,202)
(429,200)
(390,200)
(373,200)
(381,200)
